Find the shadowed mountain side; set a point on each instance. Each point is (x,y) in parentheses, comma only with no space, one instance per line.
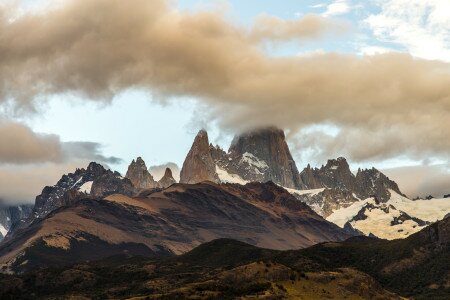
(173,220)
(358,268)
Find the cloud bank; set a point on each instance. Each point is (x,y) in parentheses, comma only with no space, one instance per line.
(422,180)
(384,105)
(29,161)
(20,184)
(21,145)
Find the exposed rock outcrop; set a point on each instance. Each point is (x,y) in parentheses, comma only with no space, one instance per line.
(373,183)
(167,180)
(263,155)
(139,175)
(95,180)
(10,216)
(199,165)
(335,174)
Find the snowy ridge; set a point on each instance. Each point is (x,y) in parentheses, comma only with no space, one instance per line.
(312,192)
(397,218)
(427,210)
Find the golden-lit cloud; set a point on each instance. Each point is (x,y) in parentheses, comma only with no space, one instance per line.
(20,145)
(384,104)
(22,183)
(275,29)
(422,180)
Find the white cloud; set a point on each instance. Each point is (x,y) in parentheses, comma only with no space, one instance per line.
(374,50)
(337,7)
(320,5)
(421,26)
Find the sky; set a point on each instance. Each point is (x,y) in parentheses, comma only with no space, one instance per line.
(101,80)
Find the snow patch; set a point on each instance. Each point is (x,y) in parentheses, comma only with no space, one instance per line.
(343,215)
(254,161)
(224,176)
(86,187)
(378,223)
(427,210)
(3,230)
(312,192)
(79,179)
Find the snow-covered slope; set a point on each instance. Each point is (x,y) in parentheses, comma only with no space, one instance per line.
(226,177)
(3,231)
(399,217)
(428,210)
(344,215)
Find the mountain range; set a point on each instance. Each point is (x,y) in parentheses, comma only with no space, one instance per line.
(262,155)
(252,193)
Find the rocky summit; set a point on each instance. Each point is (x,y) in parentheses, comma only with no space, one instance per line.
(10,216)
(335,174)
(139,176)
(95,180)
(199,165)
(261,155)
(373,183)
(167,180)
(334,186)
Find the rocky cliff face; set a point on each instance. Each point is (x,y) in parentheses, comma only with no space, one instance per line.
(94,180)
(167,180)
(373,183)
(199,165)
(11,215)
(341,188)
(139,175)
(336,174)
(261,155)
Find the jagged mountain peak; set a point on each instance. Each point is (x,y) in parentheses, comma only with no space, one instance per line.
(168,173)
(167,180)
(257,155)
(95,180)
(248,141)
(199,165)
(139,175)
(373,183)
(339,162)
(263,155)
(201,139)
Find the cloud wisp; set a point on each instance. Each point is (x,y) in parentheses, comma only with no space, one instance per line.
(423,29)
(386,103)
